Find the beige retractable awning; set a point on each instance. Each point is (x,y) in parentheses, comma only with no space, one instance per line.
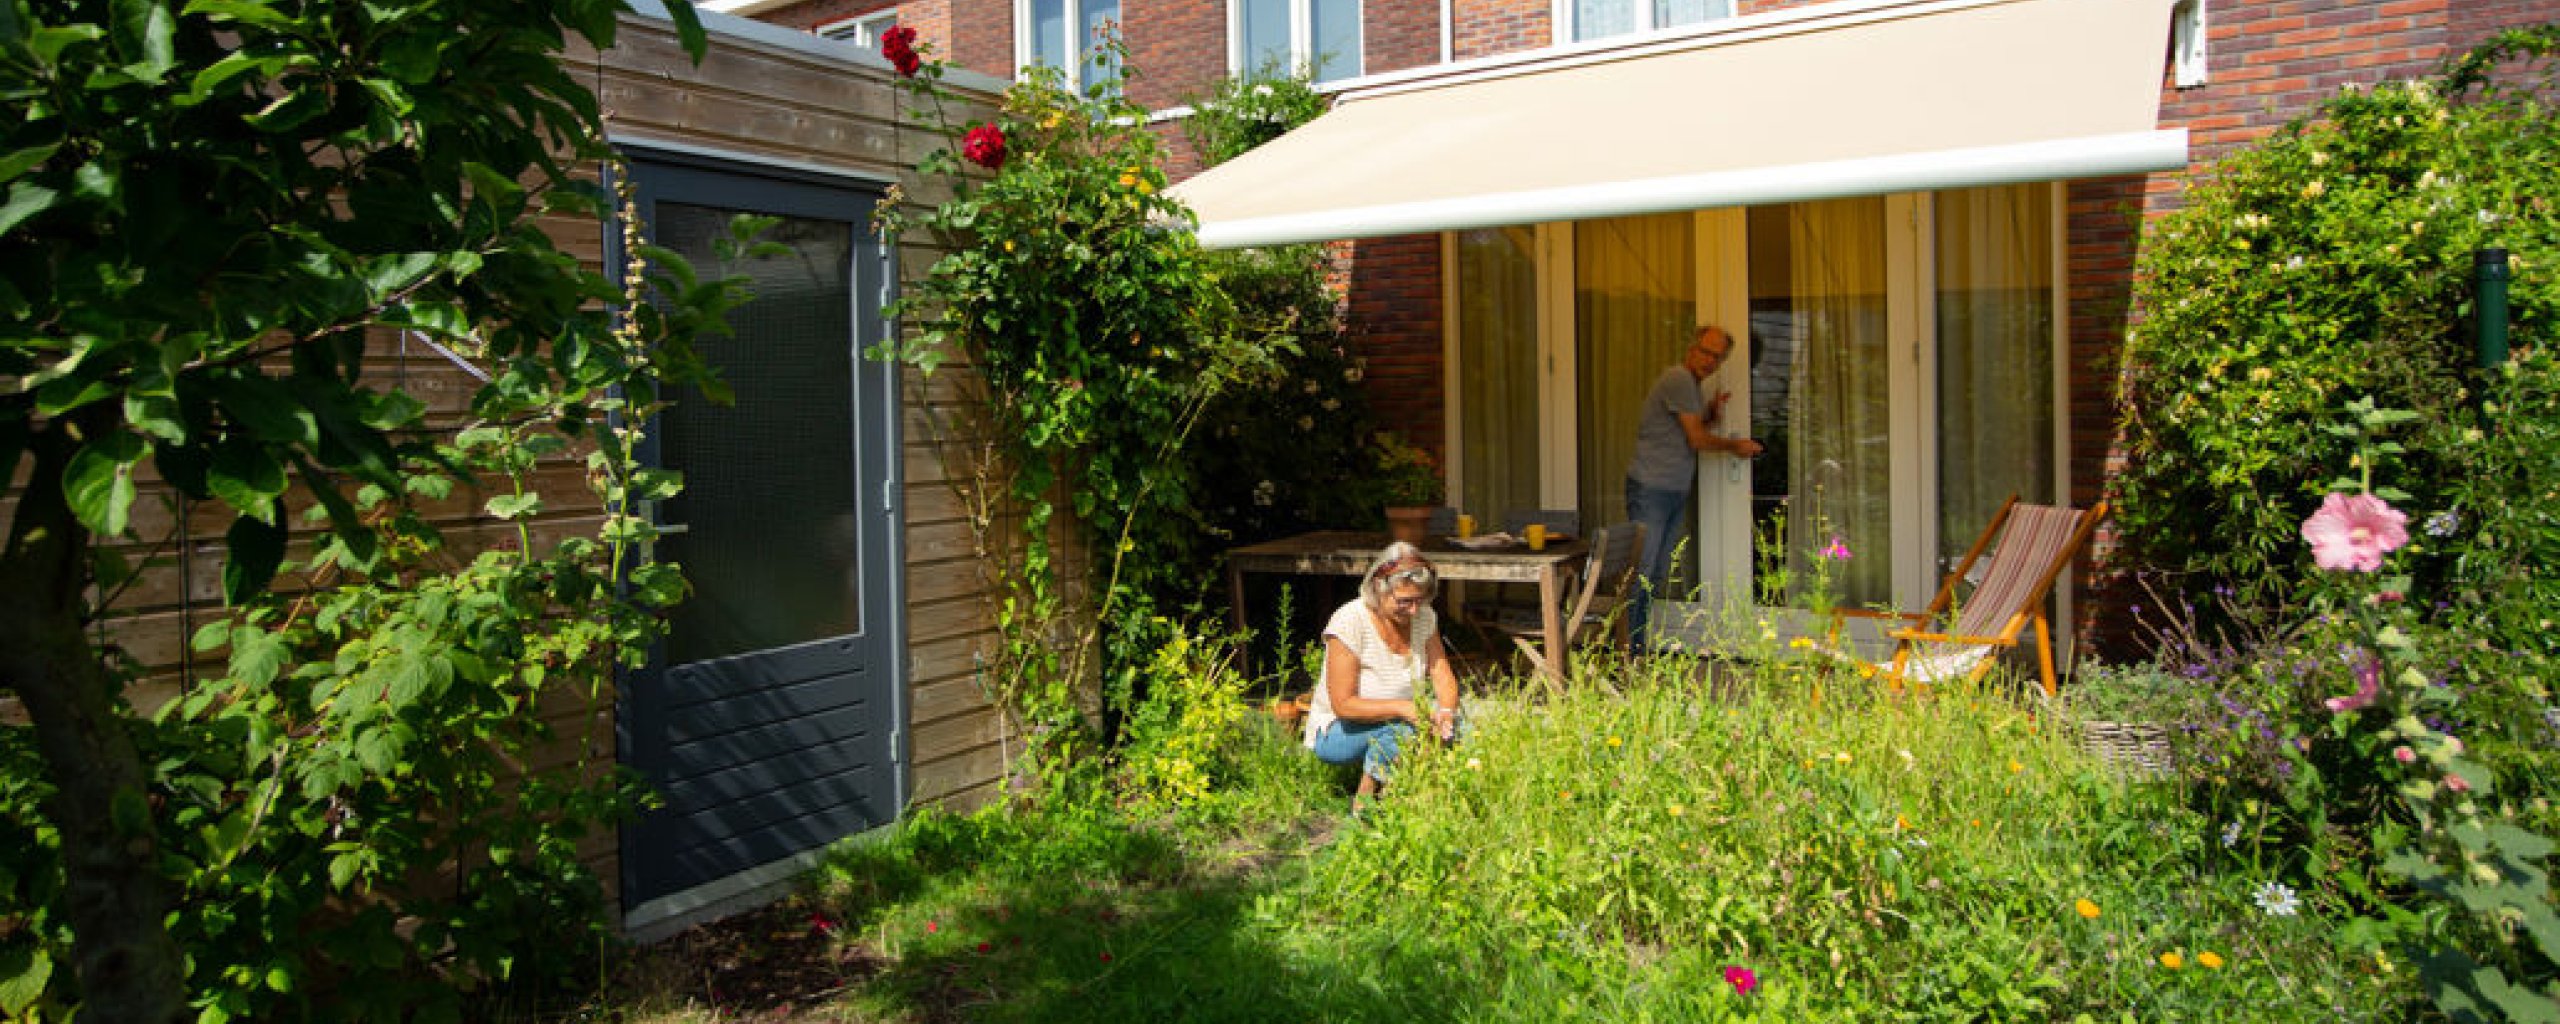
(1772,108)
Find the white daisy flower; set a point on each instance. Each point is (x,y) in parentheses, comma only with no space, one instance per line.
(2277,900)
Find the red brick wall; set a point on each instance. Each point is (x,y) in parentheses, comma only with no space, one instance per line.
(2474,21)
(1399,34)
(1178,46)
(930,18)
(1488,27)
(1394,307)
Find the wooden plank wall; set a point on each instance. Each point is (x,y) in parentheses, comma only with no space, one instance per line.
(798,100)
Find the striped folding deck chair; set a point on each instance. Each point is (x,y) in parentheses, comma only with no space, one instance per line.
(2034,543)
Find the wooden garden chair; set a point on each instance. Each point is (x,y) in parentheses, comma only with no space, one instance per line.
(1607,579)
(2034,544)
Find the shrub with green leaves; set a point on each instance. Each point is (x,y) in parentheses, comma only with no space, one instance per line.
(2329,262)
(211,208)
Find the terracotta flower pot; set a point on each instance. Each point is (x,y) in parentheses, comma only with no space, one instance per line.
(1408,523)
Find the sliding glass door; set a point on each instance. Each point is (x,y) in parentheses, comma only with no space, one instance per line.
(1897,361)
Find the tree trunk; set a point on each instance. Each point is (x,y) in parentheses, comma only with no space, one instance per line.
(128,966)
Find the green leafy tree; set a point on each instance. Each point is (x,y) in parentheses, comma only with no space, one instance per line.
(209,207)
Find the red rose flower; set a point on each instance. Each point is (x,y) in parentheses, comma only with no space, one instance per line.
(899,45)
(984,146)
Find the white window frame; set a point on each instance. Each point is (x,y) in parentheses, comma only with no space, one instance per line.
(1302,39)
(1561,16)
(861,29)
(1025,52)
(2187,44)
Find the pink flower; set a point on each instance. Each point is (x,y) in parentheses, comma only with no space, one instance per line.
(2354,531)
(899,46)
(931,927)
(1742,980)
(2403,754)
(821,923)
(984,146)
(2368,686)
(1839,549)
(2457,783)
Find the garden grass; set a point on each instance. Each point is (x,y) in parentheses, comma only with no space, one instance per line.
(1865,856)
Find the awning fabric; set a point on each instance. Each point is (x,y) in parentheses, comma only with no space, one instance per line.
(1881,98)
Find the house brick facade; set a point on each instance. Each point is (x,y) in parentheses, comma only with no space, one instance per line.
(2268,62)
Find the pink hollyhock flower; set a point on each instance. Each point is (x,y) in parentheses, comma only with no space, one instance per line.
(2403,754)
(984,146)
(1742,980)
(2368,687)
(2354,531)
(899,46)
(2457,783)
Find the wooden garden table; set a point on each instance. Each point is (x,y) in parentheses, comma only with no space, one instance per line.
(1349,552)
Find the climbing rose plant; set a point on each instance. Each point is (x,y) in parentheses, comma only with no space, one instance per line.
(1074,290)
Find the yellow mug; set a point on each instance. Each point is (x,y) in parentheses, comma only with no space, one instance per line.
(1537,536)
(1466,526)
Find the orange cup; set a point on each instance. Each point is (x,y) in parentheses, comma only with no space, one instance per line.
(1466,526)
(1537,536)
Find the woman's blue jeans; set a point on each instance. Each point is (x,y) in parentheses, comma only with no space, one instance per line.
(1373,744)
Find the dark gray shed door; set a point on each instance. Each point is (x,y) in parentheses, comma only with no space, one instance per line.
(767,722)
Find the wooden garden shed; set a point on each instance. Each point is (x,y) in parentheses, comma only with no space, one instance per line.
(823,680)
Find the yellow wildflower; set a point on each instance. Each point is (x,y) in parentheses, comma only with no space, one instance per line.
(2172,960)
(1675,810)
(1902,823)
(1842,757)
(1127,180)
(1008,245)
(1801,644)
(1614,741)
(2087,909)
(1146,188)
(2209,959)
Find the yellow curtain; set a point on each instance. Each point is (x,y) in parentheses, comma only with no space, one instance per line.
(1820,389)
(1995,356)
(1497,371)
(1635,310)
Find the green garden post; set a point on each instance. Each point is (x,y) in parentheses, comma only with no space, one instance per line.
(2489,275)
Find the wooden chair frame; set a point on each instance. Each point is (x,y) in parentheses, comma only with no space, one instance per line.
(2031,610)
(1592,578)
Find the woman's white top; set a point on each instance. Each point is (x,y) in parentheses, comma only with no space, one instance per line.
(1384,674)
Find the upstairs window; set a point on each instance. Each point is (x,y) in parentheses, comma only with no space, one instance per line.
(1600,19)
(862,30)
(1317,37)
(1067,34)
(2186,43)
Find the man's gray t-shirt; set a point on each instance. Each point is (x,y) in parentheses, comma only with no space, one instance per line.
(1663,459)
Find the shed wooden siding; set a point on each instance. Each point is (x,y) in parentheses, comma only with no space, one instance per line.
(756,100)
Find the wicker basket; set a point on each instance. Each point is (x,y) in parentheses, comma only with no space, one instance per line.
(2135,749)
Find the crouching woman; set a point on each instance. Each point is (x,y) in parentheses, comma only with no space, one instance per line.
(1378,649)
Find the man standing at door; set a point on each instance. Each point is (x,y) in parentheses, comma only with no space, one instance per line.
(1671,432)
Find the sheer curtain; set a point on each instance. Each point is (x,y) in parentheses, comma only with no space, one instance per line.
(1995,356)
(1634,311)
(1497,371)
(1820,389)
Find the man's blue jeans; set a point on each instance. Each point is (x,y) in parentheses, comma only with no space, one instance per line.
(1661,512)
